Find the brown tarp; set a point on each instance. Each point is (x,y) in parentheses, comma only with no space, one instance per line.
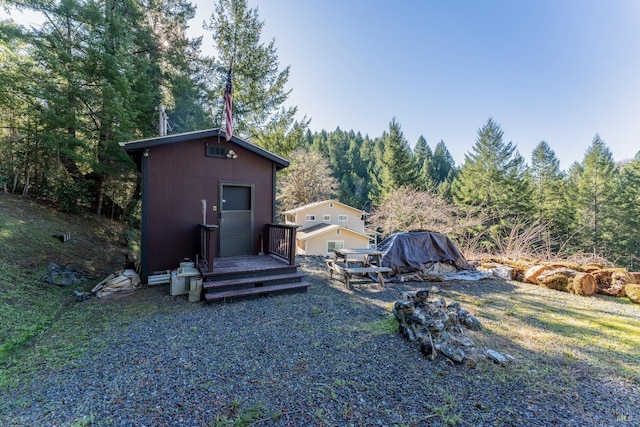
(419,250)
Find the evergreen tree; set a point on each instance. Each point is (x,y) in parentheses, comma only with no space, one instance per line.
(372,152)
(259,91)
(343,151)
(593,198)
(422,152)
(442,170)
(549,193)
(397,166)
(184,85)
(423,158)
(97,83)
(493,179)
(357,185)
(20,153)
(627,214)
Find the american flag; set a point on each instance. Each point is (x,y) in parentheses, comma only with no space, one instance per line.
(228,94)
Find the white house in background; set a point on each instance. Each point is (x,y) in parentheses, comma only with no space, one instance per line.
(327,225)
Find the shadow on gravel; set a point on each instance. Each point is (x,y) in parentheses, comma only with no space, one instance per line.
(323,358)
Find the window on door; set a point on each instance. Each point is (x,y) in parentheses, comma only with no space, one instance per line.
(236,198)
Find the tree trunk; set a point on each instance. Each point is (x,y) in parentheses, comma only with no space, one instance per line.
(583,284)
(102,179)
(565,279)
(27,178)
(611,281)
(532,274)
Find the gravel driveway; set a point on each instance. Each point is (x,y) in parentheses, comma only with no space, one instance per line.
(308,359)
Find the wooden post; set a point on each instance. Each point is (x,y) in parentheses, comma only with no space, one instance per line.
(292,246)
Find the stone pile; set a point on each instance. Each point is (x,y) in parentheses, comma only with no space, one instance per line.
(64,276)
(440,328)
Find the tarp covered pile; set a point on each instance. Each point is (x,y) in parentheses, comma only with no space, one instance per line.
(422,252)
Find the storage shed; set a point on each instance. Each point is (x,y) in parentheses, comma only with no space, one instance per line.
(205,197)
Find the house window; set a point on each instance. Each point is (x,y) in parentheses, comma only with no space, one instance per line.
(309,217)
(342,218)
(326,218)
(338,231)
(333,245)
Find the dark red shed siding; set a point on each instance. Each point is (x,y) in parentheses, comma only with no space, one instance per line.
(179,177)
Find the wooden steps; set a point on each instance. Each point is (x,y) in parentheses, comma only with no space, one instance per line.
(253,281)
(250,277)
(259,290)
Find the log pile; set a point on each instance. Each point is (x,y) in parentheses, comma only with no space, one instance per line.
(440,328)
(585,279)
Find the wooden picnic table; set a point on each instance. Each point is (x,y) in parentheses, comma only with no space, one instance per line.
(348,262)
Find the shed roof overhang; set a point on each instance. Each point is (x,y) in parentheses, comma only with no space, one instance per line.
(138,146)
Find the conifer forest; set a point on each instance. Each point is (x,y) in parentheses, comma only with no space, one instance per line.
(96,73)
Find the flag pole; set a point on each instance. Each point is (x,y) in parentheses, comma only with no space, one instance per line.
(228,94)
(228,101)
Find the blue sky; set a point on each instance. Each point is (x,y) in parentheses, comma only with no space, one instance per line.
(555,70)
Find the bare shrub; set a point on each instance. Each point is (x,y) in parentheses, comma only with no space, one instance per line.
(522,239)
(582,258)
(307,180)
(470,241)
(407,209)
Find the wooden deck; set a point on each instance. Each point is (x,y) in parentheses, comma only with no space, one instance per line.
(244,263)
(239,276)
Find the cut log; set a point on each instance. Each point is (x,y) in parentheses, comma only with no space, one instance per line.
(635,277)
(532,273)
(611,281)
(517,267)
(564,271)
(583,284)
(568,280)
(591,267)
(633,292)
(559,282)
(565,264)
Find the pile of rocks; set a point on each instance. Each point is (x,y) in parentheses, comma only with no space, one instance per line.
(440,328)
(64,276)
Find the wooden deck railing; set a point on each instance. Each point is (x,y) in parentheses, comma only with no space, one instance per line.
(207,245)
(282,242)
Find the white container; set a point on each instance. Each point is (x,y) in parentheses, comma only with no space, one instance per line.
(195,289)
(195,284)
(194,296)
(178,284)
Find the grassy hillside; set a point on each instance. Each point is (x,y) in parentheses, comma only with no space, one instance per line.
(39,320)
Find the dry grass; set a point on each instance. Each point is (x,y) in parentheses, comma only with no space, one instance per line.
(543,326)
